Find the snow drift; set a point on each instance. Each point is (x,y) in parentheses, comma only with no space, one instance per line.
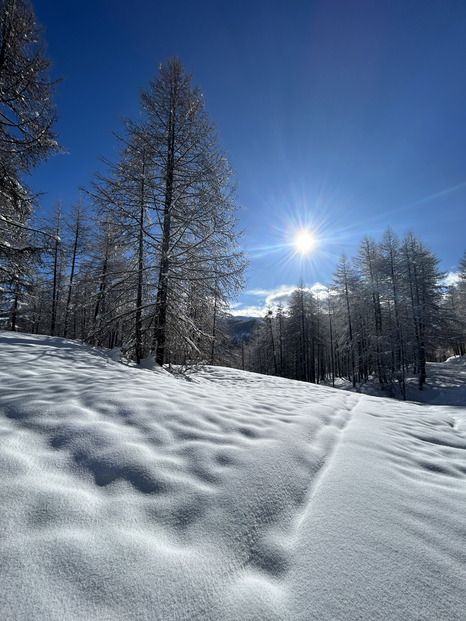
(128,494)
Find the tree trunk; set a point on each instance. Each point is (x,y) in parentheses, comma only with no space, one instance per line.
(138,318)
(73,266)
(162,291)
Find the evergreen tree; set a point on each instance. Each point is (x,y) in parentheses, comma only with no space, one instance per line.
(27,115)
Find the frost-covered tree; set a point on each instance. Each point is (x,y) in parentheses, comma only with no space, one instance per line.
(27,115)
(77,241)
(123,197)
(455,308)
(422,280)
(345,285)
(171,196)
(369,262)
(386,315)
(193,198)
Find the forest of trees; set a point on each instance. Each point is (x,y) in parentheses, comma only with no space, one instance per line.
(384,316)
(149,257)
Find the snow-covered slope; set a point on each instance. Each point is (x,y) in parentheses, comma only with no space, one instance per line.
(446,383)
(126,494)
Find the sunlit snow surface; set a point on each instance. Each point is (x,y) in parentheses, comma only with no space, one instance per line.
(127,494)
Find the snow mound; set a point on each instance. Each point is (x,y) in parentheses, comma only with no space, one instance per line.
(446,383)
(457,360)
(128,495)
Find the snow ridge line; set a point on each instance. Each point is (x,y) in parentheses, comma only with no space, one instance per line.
(341,419)
(271,545)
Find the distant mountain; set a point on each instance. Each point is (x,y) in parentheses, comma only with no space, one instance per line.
(241,329)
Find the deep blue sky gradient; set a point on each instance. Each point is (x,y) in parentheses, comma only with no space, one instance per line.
(347,115)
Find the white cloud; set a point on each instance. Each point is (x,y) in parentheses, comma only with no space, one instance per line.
(451,279)
(319,291)
(272,298)
(248,311)
(280,295)
(259,292)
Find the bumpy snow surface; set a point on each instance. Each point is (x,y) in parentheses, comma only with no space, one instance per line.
(127,494)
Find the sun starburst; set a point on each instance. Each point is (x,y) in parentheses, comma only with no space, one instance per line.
(304,241)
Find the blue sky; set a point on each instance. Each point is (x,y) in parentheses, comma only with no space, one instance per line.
(346,116)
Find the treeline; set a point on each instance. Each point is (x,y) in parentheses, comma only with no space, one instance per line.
(385,315)
(149,258)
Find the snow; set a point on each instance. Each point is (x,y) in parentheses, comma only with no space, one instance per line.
(446,383)
(128,494)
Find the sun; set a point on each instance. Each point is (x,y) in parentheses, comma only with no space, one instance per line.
(304,241)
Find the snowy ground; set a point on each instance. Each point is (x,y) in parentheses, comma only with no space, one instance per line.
(127,494)
(446,384)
